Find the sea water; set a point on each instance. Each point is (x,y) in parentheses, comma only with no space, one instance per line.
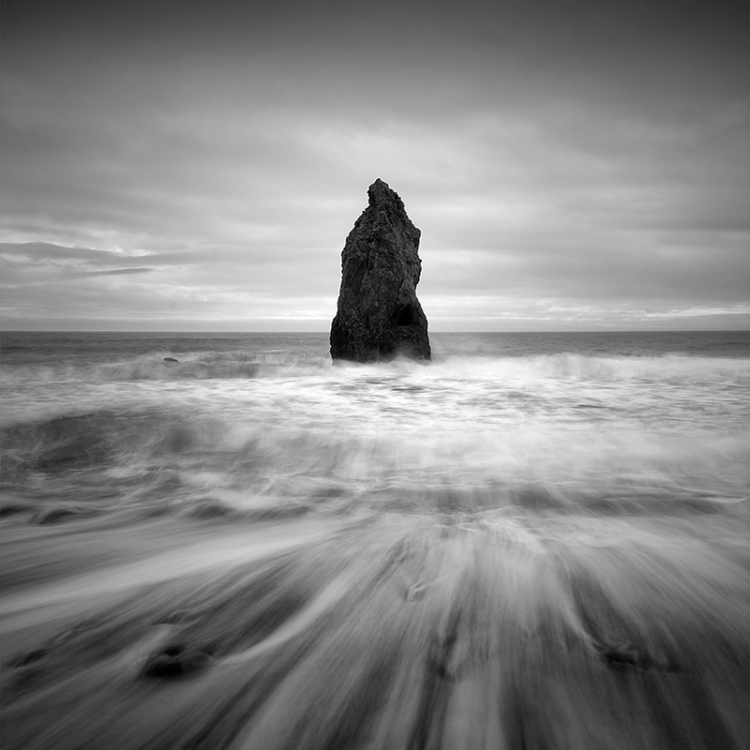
(227,540)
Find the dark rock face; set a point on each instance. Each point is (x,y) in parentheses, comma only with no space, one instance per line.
(379,316)
(176,660)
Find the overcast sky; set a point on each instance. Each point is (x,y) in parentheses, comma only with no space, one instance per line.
(198,165)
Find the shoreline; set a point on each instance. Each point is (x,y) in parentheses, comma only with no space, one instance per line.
(378,633)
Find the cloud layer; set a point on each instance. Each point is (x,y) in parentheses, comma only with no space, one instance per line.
(574,166)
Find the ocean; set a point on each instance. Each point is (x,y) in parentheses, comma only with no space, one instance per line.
(537,540)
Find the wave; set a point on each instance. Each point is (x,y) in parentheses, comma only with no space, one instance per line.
(244,365)
(205,366)
(589,367)
(160,461)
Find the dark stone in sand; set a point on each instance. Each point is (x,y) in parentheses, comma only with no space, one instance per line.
(625,656)
(176,660)
(171,359)
(378,314)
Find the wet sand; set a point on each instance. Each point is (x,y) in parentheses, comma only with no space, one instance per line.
(482,630)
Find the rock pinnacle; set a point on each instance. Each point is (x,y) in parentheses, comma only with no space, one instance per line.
(378,314)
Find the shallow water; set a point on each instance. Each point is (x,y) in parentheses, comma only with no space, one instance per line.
(538,540)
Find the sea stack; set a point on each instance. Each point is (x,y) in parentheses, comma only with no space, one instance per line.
(378,315)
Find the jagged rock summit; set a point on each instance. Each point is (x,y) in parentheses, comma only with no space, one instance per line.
(378,315)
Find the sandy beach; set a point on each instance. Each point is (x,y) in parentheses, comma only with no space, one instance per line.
(531,631)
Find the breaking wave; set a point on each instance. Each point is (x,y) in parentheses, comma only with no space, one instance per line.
(157,461)
(209,365)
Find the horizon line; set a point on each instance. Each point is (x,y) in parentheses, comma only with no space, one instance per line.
(548,330)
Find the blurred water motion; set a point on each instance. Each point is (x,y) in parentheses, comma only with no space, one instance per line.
(531,543)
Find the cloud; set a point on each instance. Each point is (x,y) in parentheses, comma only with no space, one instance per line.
(45,253)
(118,271)
(592,155)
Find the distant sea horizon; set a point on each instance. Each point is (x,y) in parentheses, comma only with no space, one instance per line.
(438,331)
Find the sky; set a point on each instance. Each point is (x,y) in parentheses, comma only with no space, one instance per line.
(577,165)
